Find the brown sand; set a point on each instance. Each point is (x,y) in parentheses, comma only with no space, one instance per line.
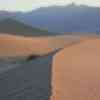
(22,46)
(76,72)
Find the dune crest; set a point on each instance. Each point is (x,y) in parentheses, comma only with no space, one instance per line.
(76,71)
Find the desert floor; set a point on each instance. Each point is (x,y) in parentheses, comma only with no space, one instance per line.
(75,68)
(23,46)
(28,79)
(76,71)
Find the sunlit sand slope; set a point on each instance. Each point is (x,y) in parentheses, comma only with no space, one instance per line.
(76,72)
(22,46)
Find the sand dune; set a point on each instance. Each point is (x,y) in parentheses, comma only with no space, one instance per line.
(30,80)
(22,46)
(76,72)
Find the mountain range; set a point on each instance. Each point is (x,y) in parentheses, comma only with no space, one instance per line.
(61,19)
(14,27)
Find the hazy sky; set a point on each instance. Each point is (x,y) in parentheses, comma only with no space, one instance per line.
(25,5)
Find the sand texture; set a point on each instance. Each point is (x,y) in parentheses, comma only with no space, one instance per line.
(76,72)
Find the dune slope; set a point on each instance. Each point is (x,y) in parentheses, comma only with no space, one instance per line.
(26,81)
(76,71)
(11,45)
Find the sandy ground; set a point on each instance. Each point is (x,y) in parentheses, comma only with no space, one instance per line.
(22,46)
(76,72)
(75,69)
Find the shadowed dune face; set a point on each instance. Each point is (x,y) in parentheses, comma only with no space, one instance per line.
(22,46)
(76,72)
(26,81)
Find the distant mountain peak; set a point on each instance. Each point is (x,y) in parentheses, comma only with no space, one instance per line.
(56,19)
(72,4)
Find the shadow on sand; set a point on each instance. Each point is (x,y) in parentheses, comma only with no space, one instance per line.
(28,81)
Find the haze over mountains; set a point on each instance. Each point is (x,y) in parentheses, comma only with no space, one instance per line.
(71,18)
